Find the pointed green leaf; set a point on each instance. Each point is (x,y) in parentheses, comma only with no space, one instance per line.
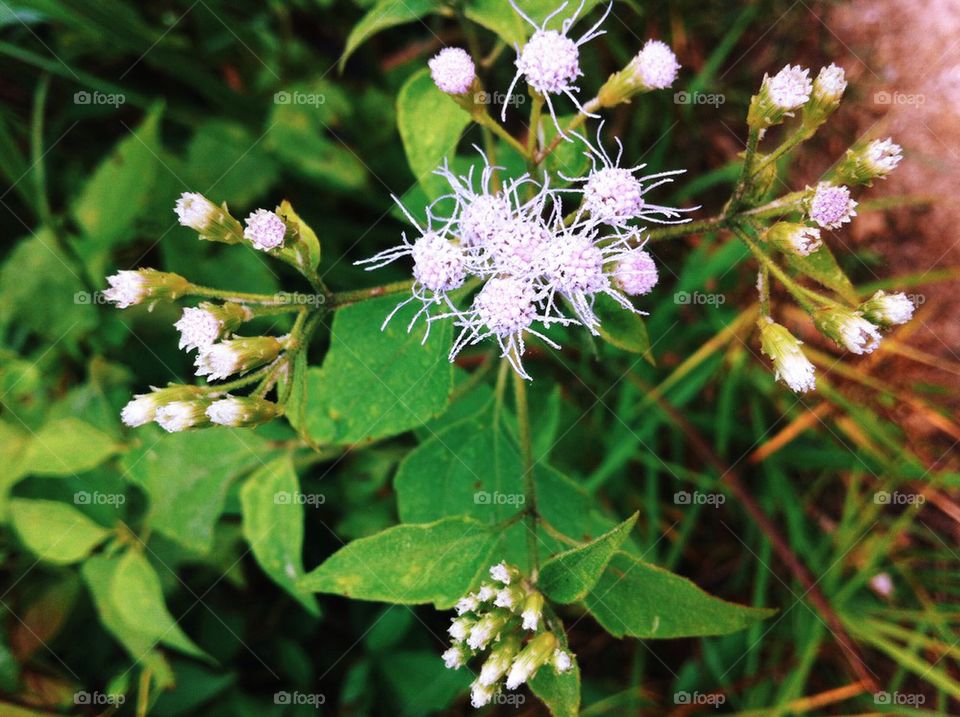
(55,531)
(498,16)
(68,446)
(377,383)
(385,14)
(98,573)
(273,525)
(568,577)
(430,124)
(409,564)
(136,594)
(559,692)
(636,599)
(822,267)
(624,329)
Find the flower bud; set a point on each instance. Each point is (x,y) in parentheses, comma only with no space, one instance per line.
(655,67)
(790,365)
(636,273)
(480,695)
(455,657)
(504,573)
(887,310)
(202,326)
(143,407)
(499,660)
(779,96)
(467,604)
(849,329)
(794,238)
(532,611)
(242,412)
(211,222)
(134,287)
(510,597)
(865,162)
(265,230)
(237,356)
(178,416)
(562,661)
(828,89)
(460,628)
(536,653)
(486,629)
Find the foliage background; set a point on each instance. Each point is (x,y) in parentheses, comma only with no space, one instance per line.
(88,188)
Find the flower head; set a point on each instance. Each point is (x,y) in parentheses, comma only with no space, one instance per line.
(888,309)
(865,162)
(790,88)
(636,273)
(142,408)
(655,66)
(831,206)
(202,326)
(452,70)
(237,356)
(794,238)
(179,416)
(128,288)
(211,222)
(790,365)
(829,85)
(265,230)
(849,329)
(538,651)
(241,411)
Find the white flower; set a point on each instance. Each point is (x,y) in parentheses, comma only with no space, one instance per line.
(486,593)
(236,356)
(241,412)
(453,658)
(532,611)
(888,309)
(452,70)
(655,66)
(480,695)
(882,156)
(849,329)
(525,665)
(830,84)
(467,604)
(790,88)
(790,364)
(198,328)
(485,629)
(831,206)
(265,230)
(195,211)
(127,288)
(140,410)
(178,416)
(795,238)
(636,273)
(562,661)
(550,61)
(460,628)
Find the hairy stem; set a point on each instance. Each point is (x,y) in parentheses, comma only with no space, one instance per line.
(344,298)
(574,124)
(746,172)
(529,483)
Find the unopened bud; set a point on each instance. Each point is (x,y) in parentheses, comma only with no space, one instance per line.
(211,222)
(237,356)
(848,328)
(828,88)
(128,288)
(143,408)
(790,364)
(794,238)
(179,416)
(532,611)
(242,411)
(779,96)
(887,309)
(206,324)
(865,162)
(536,653)
(655,67)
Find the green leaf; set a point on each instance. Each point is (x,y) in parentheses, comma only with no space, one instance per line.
(377,383)
(273,525)
(186,476)
(421,683)
(568,577)
(559,692)
(13,452)
(41,291)
(226,160)
(98,573)
(385,14)
(624,329)
(498,16)
(430,125)
(136,594)
(409,564)
(299,133)
(55,531)
(636,599)
(822,267)
(120,188)
(67,446)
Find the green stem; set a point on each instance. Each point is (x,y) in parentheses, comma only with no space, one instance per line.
(681,230)
(536,111)
(574,124)
(801,135)
(243,381)
(36,151)
(529,483)
(238,297)
(484,119)
(344,298)
(746,172)
(795,290)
